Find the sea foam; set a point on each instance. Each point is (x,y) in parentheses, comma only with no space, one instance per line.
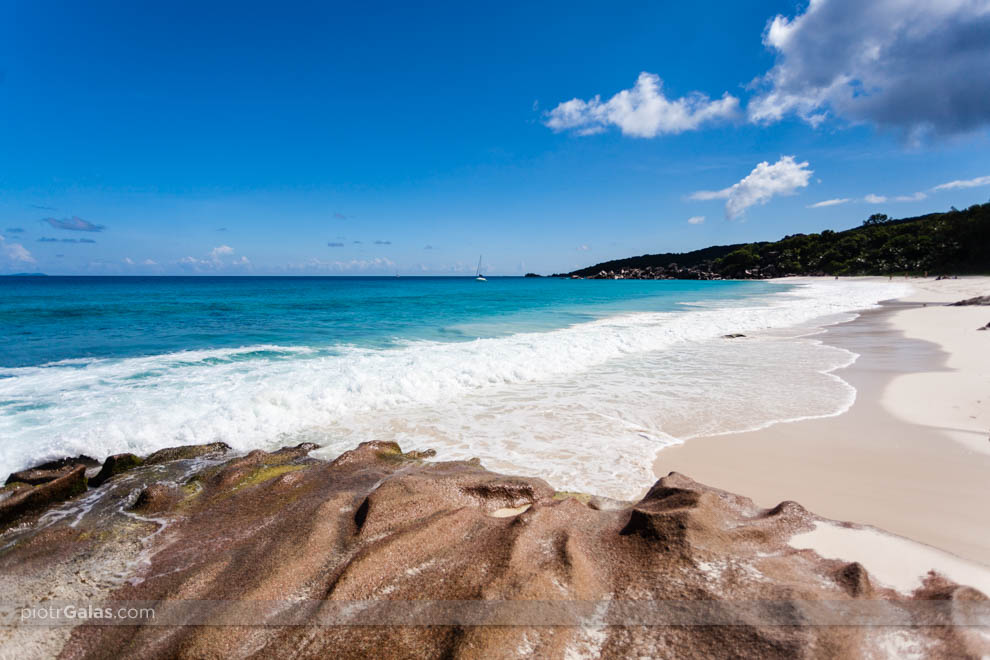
(586,406)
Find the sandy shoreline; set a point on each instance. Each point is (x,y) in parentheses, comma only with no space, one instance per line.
(911,456)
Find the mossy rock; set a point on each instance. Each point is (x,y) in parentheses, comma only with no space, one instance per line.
(186,452)
(266,473)
(421,455)
(113,466)
(583,498)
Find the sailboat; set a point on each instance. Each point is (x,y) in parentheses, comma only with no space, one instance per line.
(480,277)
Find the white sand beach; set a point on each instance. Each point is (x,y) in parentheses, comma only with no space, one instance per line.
(911,456)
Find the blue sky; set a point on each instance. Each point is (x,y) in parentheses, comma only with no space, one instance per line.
(304,138)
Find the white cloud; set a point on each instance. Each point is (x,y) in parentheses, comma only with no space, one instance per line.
(829,202)
(765,181)
(696,220)
(967,183)
(213,261)
(643,111)
(377,264)
(15,252)
(220,251)
(880,199)
(150,262)
(583,248)
(128,261)
(913,65)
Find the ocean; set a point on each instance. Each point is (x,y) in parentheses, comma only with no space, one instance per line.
(579,382)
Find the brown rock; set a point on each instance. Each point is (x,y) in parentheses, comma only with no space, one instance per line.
(157,498)
(186,452)
(35,477)
(50,471)
(978,300)
(854,579)
(29,499)
(417,556)
(113,466)
(81,459)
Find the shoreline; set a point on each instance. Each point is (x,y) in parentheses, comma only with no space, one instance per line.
(902,458)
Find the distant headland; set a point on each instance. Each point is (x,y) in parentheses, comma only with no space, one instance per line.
(951,243)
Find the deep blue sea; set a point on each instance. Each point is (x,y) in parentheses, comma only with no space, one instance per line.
(579,381)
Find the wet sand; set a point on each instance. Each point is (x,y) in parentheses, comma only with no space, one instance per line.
(901,459)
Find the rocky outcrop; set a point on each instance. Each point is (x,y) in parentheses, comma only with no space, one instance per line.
(45,472)
(979,300)
(263,552)
(186,452)
(669,272)
(113,466)
(20,498)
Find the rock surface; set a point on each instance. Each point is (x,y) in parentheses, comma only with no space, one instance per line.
(113,466)
(979,300)
(24,498)
(378,527)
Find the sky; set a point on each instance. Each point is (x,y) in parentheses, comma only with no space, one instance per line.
(375,138)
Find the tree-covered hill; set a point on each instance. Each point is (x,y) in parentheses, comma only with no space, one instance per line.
(956,242)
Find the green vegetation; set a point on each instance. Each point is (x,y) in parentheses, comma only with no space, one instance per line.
(956,242)
(265,473)
(696,259)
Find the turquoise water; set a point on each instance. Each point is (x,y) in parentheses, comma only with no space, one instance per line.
(47,319)
(579,382)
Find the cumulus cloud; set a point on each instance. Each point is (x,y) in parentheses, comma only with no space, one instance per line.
(149,262)
(913,197)
(214,260)
(221,250)
(967,183)
(765,182)
(829,202)
(696,220)
(643,111)
(15,252)
(912,65)
(128,261)
(875,199)
(73,224)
